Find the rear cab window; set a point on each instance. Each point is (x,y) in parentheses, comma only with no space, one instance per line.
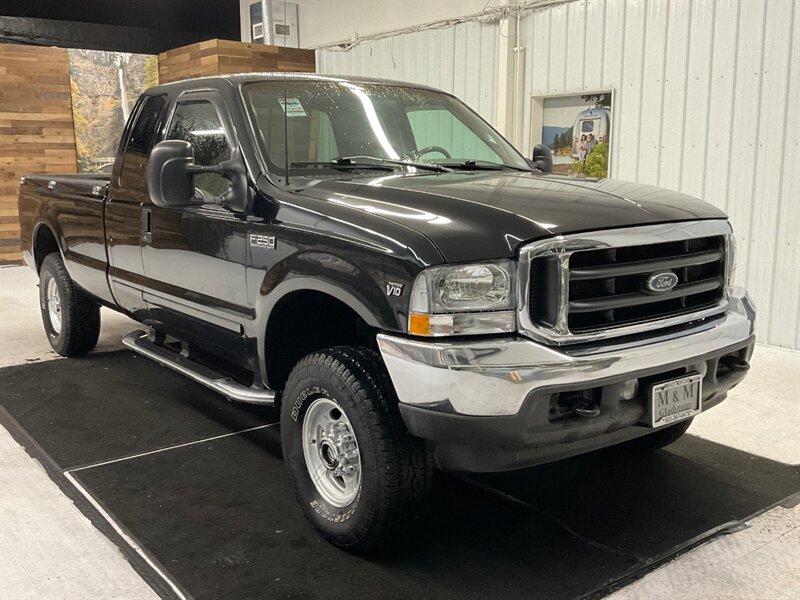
(140,141)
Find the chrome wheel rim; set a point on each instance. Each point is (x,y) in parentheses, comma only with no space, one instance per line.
(331,452)
(54,305)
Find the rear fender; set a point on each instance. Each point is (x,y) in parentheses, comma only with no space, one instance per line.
(34,260)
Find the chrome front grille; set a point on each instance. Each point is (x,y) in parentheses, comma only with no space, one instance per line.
(607,287)
(584,287)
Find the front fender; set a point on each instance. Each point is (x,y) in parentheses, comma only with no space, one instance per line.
(301,283)
(361,284)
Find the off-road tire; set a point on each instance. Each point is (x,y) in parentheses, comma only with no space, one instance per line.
(396,468)
(80,316)
(660,438)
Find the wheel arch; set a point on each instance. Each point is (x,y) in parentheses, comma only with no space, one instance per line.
(304,316)
(43,242)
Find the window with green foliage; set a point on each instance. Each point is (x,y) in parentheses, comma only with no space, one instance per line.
(435,126)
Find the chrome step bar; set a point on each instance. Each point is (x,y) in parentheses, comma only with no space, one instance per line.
(138,341)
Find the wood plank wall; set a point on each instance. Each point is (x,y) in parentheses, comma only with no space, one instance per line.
(36,128)
(37,134)
(218,57)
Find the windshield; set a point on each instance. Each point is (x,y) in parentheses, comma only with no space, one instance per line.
(329,120)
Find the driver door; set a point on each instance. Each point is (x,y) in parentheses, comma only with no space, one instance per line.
(194,257)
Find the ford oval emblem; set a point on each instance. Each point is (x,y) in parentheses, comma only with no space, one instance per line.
(660,282)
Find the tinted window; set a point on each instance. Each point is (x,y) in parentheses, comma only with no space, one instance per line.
(133,180)
(145,128)
(319,120)
(311,135)
(587,127)
(436,129)
(198,123)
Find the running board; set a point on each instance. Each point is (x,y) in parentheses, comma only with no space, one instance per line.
(139,342)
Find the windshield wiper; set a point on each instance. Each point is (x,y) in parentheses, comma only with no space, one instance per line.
(341,163)
(374,161)
(480,165)
(403,163)
(371,162)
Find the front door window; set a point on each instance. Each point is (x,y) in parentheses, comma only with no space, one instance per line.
(199,123)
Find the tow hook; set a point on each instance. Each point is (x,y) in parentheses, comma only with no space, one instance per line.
(583,407)
(734,363)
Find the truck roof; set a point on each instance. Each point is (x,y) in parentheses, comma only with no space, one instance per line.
(239,78)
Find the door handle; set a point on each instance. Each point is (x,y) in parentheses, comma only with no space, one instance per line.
(147,232)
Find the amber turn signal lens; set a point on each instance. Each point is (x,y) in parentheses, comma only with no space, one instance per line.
(420,324)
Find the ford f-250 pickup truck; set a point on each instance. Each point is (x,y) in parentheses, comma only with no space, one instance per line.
(378,261)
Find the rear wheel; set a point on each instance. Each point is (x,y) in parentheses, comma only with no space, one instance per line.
(357,473)
(660,438)
(71,320)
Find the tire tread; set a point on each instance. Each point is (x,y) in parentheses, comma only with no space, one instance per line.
(406,480)
(80,316)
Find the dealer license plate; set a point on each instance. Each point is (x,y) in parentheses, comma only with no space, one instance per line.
(676,400)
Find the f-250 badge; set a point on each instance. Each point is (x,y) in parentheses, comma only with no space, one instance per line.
(262,241)
(394,289)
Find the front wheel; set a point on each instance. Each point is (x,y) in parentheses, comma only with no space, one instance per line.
(71,320)
(357,473)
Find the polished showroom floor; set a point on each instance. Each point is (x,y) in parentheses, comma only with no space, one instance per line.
(143,475)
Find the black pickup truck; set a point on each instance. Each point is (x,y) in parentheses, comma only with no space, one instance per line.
(378,261)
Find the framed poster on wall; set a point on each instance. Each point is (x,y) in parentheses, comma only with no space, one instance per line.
(577,128)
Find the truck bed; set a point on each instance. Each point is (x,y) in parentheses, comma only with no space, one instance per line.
(72,206)
(80,184)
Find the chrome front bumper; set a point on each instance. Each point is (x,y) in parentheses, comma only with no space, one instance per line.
(494,377)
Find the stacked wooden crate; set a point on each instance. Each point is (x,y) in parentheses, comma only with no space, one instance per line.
(36,129)
(218,57)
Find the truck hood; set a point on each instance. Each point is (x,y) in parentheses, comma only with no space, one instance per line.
(484,215)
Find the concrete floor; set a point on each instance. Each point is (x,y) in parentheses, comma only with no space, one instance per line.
(761,562)
(21,335)
(49,550)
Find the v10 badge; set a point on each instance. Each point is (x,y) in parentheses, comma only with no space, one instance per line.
(394,289)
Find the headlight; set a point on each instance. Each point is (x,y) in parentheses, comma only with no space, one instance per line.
(464,299)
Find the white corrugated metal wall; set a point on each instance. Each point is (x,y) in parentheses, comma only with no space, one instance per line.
(461,60)
(706,102)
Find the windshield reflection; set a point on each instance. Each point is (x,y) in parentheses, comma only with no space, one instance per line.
(320,120)
(372,117)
